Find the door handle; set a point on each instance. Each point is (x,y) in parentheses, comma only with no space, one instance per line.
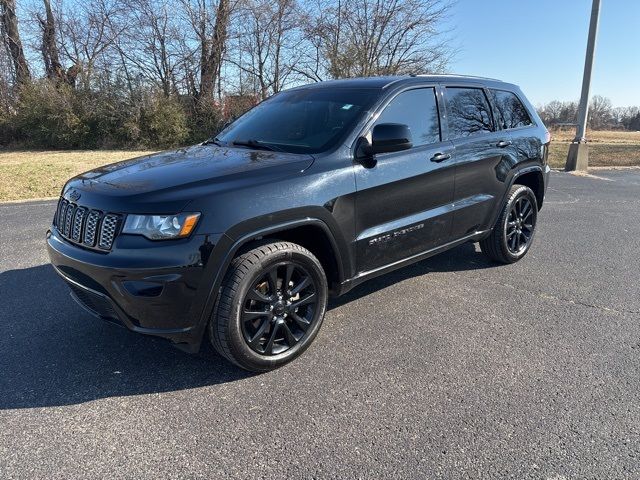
(440,157)
(503,143)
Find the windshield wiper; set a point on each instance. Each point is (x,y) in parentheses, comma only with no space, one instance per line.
(256,144)
(212,141)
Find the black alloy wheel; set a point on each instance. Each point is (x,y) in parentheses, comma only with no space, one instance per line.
(270,307)
(279,308)
(519,225)
(513,233)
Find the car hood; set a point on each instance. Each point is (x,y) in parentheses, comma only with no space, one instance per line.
(167,181)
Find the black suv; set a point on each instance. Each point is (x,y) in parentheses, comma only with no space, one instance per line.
(313,191)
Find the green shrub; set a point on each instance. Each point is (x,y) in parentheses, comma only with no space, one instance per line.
(205,120)
(163,122)
(46,117)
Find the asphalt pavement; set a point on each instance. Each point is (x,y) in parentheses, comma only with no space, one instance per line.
(450,368)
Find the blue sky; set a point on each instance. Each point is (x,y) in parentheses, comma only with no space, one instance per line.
(540,45)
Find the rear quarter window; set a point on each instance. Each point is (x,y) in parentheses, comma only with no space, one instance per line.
(510,112)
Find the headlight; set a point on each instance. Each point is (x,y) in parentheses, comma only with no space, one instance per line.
(161,227)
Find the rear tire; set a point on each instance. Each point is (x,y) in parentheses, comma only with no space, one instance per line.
(514,230)
(270,307)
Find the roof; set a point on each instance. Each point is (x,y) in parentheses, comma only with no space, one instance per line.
(385,82)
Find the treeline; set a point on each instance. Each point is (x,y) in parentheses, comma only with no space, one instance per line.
(602,114)
(158,73)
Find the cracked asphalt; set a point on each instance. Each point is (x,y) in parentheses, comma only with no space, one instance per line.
(450,368)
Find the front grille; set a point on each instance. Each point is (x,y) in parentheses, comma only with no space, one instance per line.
(86,227)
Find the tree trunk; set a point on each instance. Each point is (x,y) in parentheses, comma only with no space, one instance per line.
(212,52)
(50,54)
(12,37)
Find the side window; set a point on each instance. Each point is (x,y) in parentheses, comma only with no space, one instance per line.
(418,109)
(468,112)
(510,111)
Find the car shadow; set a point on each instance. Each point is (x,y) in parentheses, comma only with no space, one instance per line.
(463,258)
(52,353)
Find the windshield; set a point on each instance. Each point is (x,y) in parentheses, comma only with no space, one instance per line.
(300,121)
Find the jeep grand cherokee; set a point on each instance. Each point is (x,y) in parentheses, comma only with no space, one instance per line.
(242,238)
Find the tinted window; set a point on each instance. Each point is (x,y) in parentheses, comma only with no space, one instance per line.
(302,121)
(510,110)
(468,112)
(417,109)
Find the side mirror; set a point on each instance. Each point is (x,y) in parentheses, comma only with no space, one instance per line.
(390,137)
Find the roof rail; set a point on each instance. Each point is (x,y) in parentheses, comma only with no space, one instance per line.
(454,75)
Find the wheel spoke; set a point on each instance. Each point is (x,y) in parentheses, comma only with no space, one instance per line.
(306,281)
(301,322)
(257,296)
(304,301)
(268,348)
(291,340)
(255,340)
(513,242)
(524,240)
(287,276)
(510,234)
(518,207)
(272,278)
(248,315)
(527,210)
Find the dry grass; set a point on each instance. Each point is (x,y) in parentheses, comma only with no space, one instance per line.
(32,174)
(606,148)
(36,174)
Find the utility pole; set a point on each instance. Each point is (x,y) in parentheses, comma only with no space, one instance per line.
(578,158)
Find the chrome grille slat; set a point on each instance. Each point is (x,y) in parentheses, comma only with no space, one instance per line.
(91,228)
(76,232)
(68,217)
(86,227)
(108,231)
(62,205)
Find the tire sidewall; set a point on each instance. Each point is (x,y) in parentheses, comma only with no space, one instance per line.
(236,338)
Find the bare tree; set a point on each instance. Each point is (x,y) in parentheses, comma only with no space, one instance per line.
(154,45)
(600,113)
(89,30)
(377,37)
(11,38)
(268,35)
(50,54)
(212,38)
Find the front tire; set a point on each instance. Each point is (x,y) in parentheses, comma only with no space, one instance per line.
(513,233)
(270,307)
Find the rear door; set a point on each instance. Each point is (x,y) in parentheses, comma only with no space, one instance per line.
(481,153)
(403,202)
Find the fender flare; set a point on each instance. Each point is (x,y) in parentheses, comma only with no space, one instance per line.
(516,174)
(233,245)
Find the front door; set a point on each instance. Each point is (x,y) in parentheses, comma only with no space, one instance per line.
(404,201)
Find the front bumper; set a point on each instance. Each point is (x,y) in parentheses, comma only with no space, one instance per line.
(155,288)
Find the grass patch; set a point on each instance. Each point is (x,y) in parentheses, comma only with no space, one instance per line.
(32,174)
(37,174)
(606,148)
